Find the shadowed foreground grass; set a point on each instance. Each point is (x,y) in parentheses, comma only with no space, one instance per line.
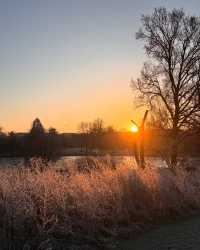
(85,205)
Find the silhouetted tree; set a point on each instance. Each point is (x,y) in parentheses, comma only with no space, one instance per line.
(170,81)
(84,130)
(52,131)
(12,143)
(96,131)
(37,128)
(4,145)
(97,126)
(53,144)
(1,130)
(36,140)
(110,130)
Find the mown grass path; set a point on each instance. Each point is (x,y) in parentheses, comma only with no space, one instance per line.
(177,236)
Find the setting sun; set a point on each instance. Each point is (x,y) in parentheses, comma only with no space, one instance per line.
(134,129)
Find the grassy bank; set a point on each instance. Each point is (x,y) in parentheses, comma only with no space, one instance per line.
(86,204)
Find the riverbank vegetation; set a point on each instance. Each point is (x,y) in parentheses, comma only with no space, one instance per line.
(98,200)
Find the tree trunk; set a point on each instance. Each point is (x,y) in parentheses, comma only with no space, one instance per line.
(136,154)
(174,155)
(140,140)
(174,148)
(142,161)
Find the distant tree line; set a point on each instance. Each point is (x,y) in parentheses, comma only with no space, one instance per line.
(50,144)
(92,138)
(36,143)
(93,135)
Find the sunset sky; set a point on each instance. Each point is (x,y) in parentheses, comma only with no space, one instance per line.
(67,61)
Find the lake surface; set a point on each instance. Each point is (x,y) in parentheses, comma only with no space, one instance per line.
(72,160)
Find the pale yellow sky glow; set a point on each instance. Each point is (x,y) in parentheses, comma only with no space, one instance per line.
(110,99)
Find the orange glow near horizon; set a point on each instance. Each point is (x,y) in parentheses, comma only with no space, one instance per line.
(64,111)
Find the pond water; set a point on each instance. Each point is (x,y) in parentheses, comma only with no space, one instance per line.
(72,160)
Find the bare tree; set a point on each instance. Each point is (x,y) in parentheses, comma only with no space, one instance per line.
(1,130)
(84,127)
(110,129)
(170,80)
(97,126)
(52,131)
(84,130)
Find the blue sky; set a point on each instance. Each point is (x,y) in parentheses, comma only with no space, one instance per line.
(68,61)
